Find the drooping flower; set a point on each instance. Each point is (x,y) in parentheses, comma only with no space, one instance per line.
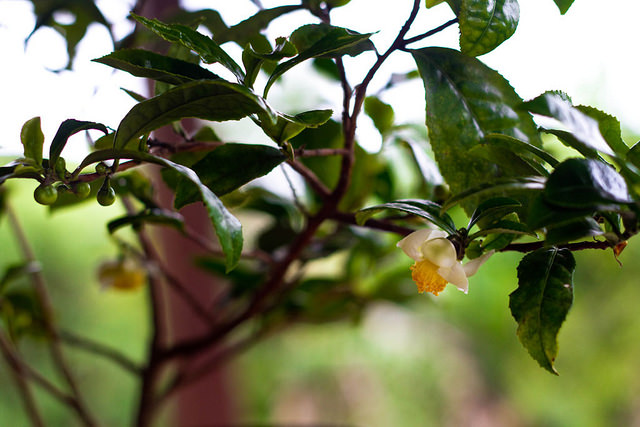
(436,262)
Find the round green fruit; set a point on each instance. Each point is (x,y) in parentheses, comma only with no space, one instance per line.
(106,194)
(45,194)
(81,189)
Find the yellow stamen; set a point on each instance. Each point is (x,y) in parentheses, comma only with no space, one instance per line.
(425,274)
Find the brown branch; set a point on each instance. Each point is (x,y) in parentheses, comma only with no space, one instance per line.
(19,374)
(578,246)
(48,315)
(373,224)
(431,32)
(311,178)
(320,152)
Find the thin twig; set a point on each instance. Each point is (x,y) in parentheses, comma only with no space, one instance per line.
(577,246)
(99,349)
(431,32)
(19,375)
(48,320)
(311,178)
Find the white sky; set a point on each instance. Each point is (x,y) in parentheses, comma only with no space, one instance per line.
(590,53)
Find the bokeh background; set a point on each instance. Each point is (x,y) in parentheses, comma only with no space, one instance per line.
(453,360)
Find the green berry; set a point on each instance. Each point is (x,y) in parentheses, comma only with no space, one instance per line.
(102,168)
(45,194)
(61,168)
(106,194)
(81,189)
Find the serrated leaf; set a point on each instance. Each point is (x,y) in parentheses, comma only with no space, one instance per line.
(586,184)
(286,126)
(609,128)
(318,40)
(67,129)
(152,216)
(214,100)
(585,129)
(32,140)
(542,301)
(563,5)
(227,168)
(205,47)
(496,207)
(466,101)
(143,63)
(484,25)
(423,208)
(380,112)
(227,227)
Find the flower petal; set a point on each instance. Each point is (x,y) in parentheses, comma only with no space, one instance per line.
(472,266)
(456,276)
(439,251)
(411,243)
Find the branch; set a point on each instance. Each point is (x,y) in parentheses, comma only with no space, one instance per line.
(578,246)
(48,315)
(99,349)
(430,32)
(19,374)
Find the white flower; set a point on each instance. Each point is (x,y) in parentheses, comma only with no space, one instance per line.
(436,262)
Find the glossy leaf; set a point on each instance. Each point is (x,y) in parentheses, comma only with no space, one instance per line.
(143,63)
(563,5)
(215,100)
(542,300)
(319,40)
(227,168)
(543,214)
(584,128)
(227,227)
(67,129)
(504,185)
(152,216)
(521,147)
(286,126)
(205,47)
(380,112)
(609,128)
(576,229)
(466,101)
(484,25)
(586,183)
(423,208)
(243,32)
(32,140)
(495,208)
(431,3)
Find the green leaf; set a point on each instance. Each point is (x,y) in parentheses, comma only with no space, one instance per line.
(143,63)
(542,301)
(484,25)
(520,147)
(586,184)
(573,230)
(6,172)
(381,113)
(319,40)
(563,5)
(466,101)
(85,13)
(205,47)
(609,128)
(67,129)
(431,3)
(543,214)
(570,140)
(152,216)
(32,140)
(423,208)
(227,168)
(286,126)
(494,208)
(215,100)
(227,227)
(557,105)
(511,186)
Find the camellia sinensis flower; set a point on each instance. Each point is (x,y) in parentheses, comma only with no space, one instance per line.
(436,261)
